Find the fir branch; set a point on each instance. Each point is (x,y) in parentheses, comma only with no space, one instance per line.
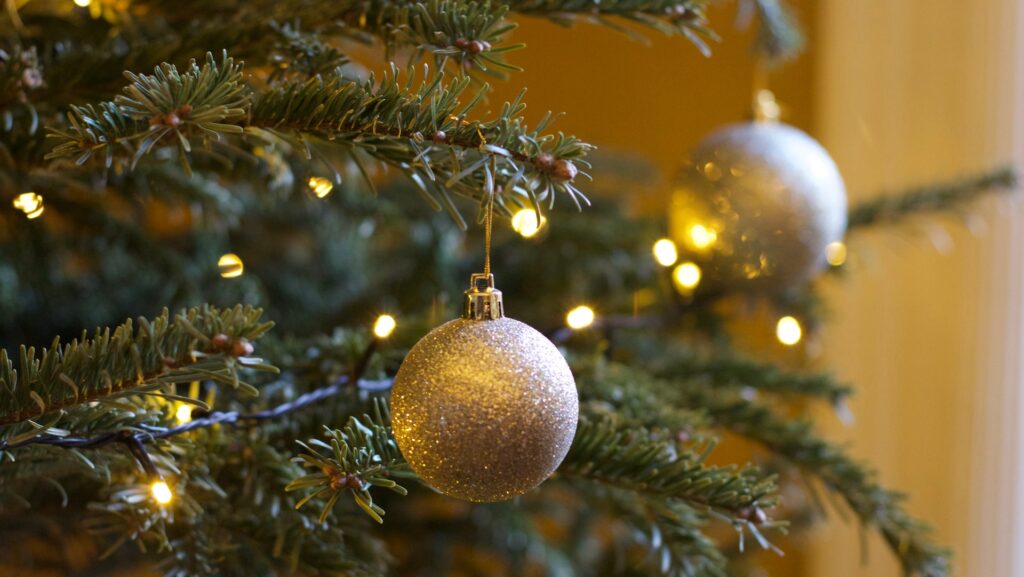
(795,441)
(727,369)
(360,456)
(675,538)
(874,505)
(128,360)
(669,533)
(469,34)
(670,17)
(628,458)
(953,195)
(423,131)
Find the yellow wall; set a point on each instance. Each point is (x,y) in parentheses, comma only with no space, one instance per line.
(901,92)
(655,99)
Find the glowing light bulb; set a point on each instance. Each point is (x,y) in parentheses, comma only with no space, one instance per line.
(526,222)
(687,276)
(230,265)
(702,237)
(384,326)
(665,252)
(835,253)
(83,3)
(161,492)
(30,203)
(788,331)
(580,317)
(183,414)
(320,186)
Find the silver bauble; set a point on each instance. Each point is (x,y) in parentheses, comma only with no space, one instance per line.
(757,206)
(484,408)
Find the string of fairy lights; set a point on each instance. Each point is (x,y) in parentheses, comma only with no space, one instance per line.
(686,274)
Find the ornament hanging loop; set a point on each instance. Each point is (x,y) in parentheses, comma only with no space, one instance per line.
(483,301)
(763,104)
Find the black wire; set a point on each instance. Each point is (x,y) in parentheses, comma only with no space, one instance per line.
(136,440)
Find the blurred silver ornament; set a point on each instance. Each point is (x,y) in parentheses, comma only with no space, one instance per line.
(757,206)
(484,407)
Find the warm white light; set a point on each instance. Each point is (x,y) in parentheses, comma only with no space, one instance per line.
(580,317)
(835,253)
(384,326)
(30,203)
(526,222)
(702,236)
(83,3)
(788,331)
(230,265)
(320,186)
(183,414)
(161,492)
(665,252)
(687,276)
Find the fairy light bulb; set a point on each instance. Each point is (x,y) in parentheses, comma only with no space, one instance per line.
(161,492)
(687,276)
(788,331)
(183,414)
(702,237)
(30,203)
(384,326)
(835,253)
(665,252)
(230,265)
(83,3)
(580,317)
(527,223)
(320,186)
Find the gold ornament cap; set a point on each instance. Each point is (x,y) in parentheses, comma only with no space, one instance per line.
(483,301)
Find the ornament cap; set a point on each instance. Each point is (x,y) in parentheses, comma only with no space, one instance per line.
(483,301)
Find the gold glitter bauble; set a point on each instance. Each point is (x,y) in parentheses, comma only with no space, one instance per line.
(757,206)
(484,410)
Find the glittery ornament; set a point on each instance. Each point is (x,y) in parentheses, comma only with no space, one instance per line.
(484,407)
(757,206)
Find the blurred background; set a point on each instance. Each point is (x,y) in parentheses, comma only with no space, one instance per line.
(928,324)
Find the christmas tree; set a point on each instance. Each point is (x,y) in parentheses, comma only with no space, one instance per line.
(238,167)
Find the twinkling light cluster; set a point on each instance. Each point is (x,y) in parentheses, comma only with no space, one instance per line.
(527,223)
(580,317)
(686,276)
(320,186)
(183,413)
(161,492)
(384,326)
(702,237)
(30,203)
(230,265)
(665,252)
(788,331)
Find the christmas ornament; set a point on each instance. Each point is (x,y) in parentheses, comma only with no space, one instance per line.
(484,407)
(757,207)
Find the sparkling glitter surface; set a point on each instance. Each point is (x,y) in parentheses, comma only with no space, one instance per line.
(484,410)
(773,199)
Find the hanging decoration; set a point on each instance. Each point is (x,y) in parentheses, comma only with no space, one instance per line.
(484,407)
(757,207)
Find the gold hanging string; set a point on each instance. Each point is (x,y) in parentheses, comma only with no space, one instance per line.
(763,103)
(488,220)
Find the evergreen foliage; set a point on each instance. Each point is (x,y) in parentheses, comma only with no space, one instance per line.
(147,176)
